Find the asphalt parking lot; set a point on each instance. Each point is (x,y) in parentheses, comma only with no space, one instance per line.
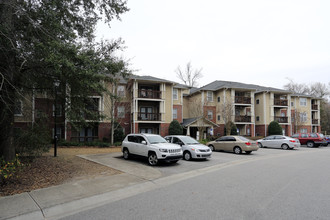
(140,167)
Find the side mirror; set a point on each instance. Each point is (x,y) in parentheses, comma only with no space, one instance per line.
(144,142)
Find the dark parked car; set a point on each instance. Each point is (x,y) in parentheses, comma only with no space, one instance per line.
(311,139)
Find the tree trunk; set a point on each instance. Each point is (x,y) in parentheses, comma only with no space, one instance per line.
(7,90)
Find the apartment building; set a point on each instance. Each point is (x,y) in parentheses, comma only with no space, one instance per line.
(148,105)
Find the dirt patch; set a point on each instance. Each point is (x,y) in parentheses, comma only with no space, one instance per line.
(48,170)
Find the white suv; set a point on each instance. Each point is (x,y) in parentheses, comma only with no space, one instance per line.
(152,146)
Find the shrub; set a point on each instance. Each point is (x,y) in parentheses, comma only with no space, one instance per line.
(233,128)
(175,128)
(9,169)
(274,128)
(118,135)
(33,141)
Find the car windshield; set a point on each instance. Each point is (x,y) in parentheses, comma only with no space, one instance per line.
(189,140)
(321,135)
(156,139)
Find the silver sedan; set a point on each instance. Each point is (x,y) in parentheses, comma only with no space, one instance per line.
(279,141)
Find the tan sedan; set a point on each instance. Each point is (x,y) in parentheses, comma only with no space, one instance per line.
(236,144)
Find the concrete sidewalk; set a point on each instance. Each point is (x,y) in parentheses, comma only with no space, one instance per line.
(49,202)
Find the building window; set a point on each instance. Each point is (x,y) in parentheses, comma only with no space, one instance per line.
(257,101)
(121,91)
(210,114)
(218,98)
(209,96)
(303,101)
(121,112)
(175,94)
(18,108)
(58,110)
(219,117)
(258,118)
(292,104)
(175,113)
(303,117)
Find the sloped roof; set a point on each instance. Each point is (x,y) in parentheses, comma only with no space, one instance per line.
(218,84)
(304,95)
(188,121)
(151,78)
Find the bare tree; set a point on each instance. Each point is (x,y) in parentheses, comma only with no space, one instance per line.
(189,76)
(296,87)
(297,120)
(197,111)
(226,113)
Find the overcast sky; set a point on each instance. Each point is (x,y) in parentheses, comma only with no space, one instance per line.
(262,42)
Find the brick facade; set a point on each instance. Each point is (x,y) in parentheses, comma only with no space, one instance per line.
(179,113)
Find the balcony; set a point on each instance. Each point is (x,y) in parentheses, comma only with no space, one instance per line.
(149,116)
(315,107)
(242,100)
(315,121)
(281,102)
(281,119)
(149,94)
(242,118)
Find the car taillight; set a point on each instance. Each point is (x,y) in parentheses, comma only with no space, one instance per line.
(248,143)
(292,141)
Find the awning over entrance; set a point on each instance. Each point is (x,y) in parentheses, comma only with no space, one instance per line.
(198,122)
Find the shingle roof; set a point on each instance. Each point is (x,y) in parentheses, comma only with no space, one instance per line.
(150,78)
(216,85)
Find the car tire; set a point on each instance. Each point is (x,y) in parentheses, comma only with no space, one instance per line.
(237,150)
(152,159)
(187,155)
(260,145)
(248,152)
(126,154)
(310,144)
(285,147)
(211,147)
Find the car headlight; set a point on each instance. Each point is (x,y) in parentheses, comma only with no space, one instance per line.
(163,150)
(195,149)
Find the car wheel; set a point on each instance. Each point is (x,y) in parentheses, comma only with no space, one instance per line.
(248,152)
(285,146)
(260,145)
(152,159)
(126,154)
(211,147)
(187,155)
(310,144)
(237,150)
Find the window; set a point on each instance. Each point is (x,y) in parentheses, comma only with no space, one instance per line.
(258,118)
(219,117)
(303,117)
(175,113)
(304,130)
(218,98)
(295,136)
(292,104)
(58,110)
(210,114)
(303,101)
(146,130)
(257,101)
(121,111)
(121,91)
(175,94)
(18,108)
(209,96)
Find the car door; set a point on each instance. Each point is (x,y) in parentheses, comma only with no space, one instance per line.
(219,143)
(267,141)
(278,141)
(230,143)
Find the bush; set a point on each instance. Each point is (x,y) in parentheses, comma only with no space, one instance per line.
(9,169)
(91,144)
(274,128)
(233,128)
(33,141)
(175,128)
(118,135)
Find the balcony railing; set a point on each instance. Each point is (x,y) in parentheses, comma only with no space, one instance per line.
(242,99)
(314,107)
(242,118)
(281,102)
(149,94)
(315,121)
(281,119)
(149,116)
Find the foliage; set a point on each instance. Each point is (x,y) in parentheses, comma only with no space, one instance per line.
(274,128)
(233,128)
(91,143)
(46,41)
(8,169)
(175,128)
(33,141)
(118,135)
